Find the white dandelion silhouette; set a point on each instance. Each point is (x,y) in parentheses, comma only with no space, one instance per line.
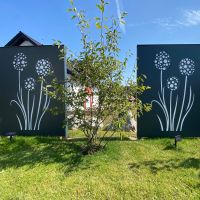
(29,84)
(187,68)
(43,67)
(162,62)
(172,85)
(20,61)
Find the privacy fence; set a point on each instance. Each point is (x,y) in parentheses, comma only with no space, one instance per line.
(173,73)
(24,103)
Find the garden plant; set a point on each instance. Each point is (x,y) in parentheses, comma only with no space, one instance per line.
(98,66)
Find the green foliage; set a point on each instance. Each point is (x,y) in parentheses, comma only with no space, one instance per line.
(98,67)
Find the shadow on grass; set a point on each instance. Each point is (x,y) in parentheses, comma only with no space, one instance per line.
(104,139)
(170,147)
(116,139)
(169,165)
(31,151)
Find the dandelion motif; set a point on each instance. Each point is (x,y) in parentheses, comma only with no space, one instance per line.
(187,67)
(20,61)
(174,122)
(43,67)
(27,106)
(162,60)
(172,83)
(29,84)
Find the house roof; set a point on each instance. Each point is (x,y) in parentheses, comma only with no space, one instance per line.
(21,37)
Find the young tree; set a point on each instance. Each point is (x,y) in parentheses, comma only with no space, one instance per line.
(98,72)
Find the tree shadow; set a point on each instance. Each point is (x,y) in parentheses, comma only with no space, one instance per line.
(30,152)
(190,163)
(159,165)
(170,147)
(114,138)
(197,186)
(107,138)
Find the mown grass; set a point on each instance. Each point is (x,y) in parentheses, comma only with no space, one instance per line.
(50,168)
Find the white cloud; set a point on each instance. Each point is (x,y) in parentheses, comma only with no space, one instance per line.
(136,24)
(190,18)
(120,9)
(166,23)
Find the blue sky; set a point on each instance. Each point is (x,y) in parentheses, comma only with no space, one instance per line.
(148,21)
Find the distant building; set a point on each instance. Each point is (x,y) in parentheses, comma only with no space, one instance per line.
(21,39)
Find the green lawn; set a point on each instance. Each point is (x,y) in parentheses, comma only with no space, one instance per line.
(48,168)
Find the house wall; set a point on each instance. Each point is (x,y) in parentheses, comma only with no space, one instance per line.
(26,43)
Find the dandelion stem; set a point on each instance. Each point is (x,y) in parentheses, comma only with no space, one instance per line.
(31,116)
(45,107)
(163,100)
(22,103)
(161,85)
(14,101)
(187,113)
(174,113)
(28,110)
(40,98)
(44,111)
(164,109)
(183,102)
(19,81)
(164,104)
(21,99)
(20,125)
(161,125)
(189,98)
(170,108)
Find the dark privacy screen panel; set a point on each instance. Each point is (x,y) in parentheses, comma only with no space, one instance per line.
(24,105)
(173,73)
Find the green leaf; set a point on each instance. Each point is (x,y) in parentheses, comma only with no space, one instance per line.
(97,18)
(100,7)
(97,44)
(122,22)
(98,26)
(114,22)
(73,17)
